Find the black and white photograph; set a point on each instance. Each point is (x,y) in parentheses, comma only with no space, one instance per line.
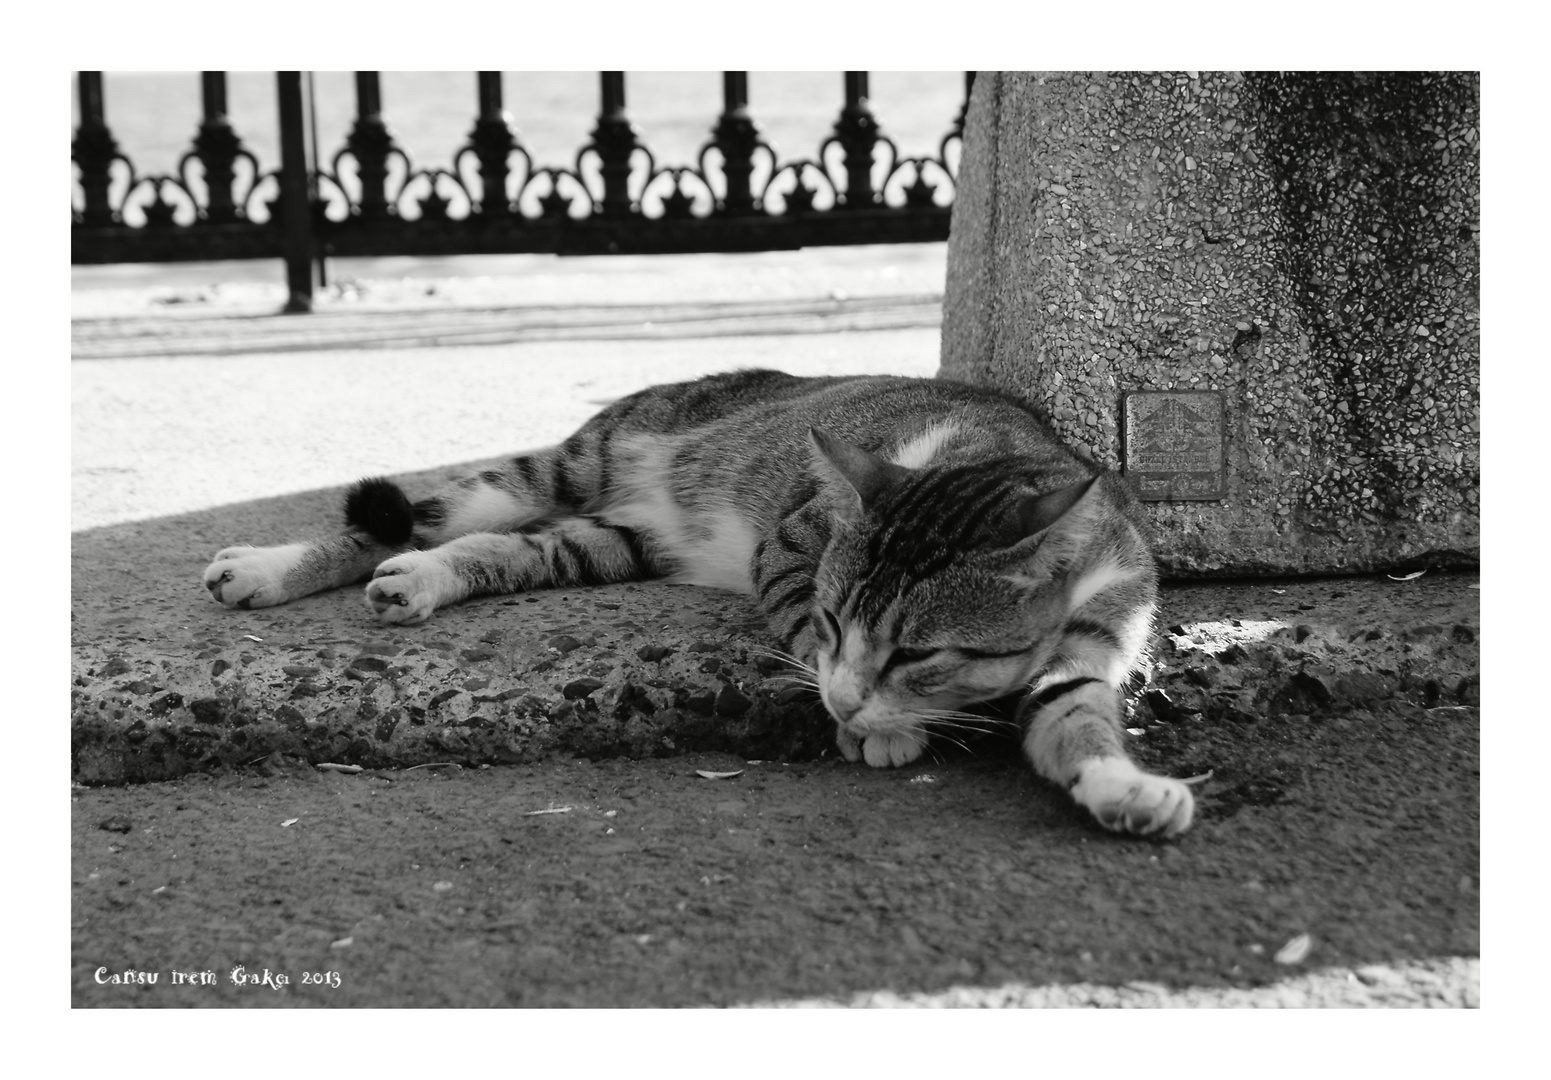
(775,540)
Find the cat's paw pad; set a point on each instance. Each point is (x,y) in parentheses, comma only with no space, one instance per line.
(406,588)
(881,750)
(1125,799)
(252,577)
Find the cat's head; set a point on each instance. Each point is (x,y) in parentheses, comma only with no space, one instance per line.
(943,586)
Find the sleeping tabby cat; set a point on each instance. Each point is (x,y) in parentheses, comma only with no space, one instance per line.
(919,546)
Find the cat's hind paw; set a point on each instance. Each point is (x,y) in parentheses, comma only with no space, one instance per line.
(252,577)
(881,750)
(1126,799)
(405,589)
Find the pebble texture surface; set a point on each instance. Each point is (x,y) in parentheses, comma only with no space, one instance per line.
(166,682)
(1306,244)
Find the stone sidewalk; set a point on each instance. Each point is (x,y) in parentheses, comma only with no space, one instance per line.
(165,681)
(180,450)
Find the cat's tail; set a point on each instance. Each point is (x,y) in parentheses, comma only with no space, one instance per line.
(378,507)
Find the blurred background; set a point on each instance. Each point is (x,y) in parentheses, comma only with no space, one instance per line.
(154,115)
(468,356)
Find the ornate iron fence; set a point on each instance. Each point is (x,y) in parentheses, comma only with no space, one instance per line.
(614,197)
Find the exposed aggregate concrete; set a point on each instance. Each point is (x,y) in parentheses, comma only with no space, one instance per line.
(1358,824)
(1454,982)
(167,682)
(1306,244)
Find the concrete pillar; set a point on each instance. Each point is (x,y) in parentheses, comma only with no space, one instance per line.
(1295,256)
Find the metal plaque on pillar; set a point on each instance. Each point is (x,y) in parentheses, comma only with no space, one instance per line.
(1174,444)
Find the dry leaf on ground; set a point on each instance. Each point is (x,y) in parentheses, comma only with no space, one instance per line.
(1295,950)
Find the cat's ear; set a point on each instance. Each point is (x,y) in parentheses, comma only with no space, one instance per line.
(855,475)
(1036,513)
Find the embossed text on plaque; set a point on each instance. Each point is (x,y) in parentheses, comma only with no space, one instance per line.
(1174,445)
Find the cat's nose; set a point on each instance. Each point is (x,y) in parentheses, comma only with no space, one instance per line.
(841,707)
(844,694)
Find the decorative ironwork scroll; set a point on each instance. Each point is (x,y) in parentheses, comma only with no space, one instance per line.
(94,152)
(218,149)
(371,199)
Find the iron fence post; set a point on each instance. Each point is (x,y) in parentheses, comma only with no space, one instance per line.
(94,150)
(958,121)
(616,171)
(217,146)
(493,141)
(371,142)
(736,135)
(296,237)
(857,133)
(616,139)
(321,249)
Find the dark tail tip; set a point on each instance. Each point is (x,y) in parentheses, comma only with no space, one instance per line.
(379,508)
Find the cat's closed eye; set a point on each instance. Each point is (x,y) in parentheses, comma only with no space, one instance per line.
(901,657)
(826,628)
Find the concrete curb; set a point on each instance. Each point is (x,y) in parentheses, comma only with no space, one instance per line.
(166,682)
(222,335)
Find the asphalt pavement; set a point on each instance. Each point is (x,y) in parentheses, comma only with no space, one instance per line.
(1338,717)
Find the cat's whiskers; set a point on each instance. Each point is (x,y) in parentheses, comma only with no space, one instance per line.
(802,680)
(939,722)
(787,658)
(954,718)
(940,737)
(793,689)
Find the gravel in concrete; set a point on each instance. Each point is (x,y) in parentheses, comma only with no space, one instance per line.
(1264,683)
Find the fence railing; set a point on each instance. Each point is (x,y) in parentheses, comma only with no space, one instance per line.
(370,199)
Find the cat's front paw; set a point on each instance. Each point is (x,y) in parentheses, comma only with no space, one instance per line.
(252,577)
(405,589)
(883,749)
(1126,799)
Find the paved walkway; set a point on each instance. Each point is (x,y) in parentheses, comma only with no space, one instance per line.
(201,419)
(197,395)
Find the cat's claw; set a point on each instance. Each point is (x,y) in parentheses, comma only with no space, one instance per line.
(407,588)
(1126,799)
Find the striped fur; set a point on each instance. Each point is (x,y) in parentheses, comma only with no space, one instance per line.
(920,546)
